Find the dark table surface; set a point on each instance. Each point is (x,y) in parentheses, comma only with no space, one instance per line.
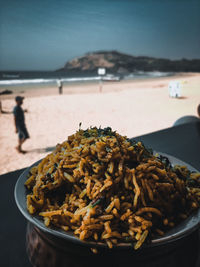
(182,141)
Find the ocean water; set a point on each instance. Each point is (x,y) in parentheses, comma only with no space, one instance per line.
(28,78)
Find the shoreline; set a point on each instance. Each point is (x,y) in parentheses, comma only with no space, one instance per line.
(35,90)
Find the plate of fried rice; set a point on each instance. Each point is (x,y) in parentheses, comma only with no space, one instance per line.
(101,189)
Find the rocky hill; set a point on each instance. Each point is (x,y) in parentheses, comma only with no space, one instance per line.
(120,63)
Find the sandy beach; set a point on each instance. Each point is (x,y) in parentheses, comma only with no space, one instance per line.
(131,108)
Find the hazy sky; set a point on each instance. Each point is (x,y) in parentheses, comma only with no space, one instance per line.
(44,34)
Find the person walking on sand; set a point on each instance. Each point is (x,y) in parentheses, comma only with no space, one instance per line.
(19,120)
(60,86)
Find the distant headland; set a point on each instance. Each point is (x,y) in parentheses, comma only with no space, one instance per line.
(116,62)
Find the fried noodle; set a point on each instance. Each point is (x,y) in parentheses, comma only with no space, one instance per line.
(107,188)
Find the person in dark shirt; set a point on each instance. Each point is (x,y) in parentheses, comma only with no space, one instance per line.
(20,125)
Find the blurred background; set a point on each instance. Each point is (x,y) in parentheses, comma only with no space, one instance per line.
(109,63)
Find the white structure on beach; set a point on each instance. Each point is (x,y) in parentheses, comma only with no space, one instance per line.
(174,89)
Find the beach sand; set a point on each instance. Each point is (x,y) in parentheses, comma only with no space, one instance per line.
(131,108)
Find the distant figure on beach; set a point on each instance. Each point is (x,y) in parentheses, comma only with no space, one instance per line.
(19,120)
(60,86)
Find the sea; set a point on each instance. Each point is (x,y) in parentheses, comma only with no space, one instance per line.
(28,79)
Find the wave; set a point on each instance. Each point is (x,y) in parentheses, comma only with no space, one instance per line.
(29,81)
(159,73)
(45,81)
(147,74)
